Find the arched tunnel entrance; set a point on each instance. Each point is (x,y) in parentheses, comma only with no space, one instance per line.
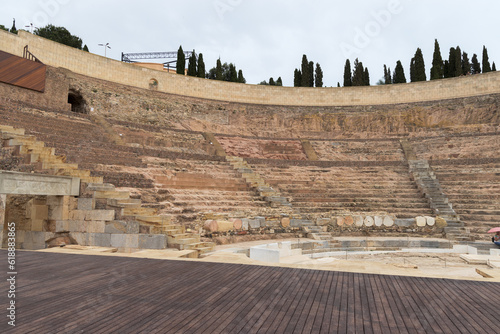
(78,103)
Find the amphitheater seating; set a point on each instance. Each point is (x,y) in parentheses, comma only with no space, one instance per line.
(321,189)
(262,148)
(358,150)
(474,191)
(466,146)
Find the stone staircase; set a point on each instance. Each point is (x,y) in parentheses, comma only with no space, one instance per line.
(101,200)
(429,186)
(270,195)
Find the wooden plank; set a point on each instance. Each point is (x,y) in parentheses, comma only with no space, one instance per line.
(22,72)
(99,294)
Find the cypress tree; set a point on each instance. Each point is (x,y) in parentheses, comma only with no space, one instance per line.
(412,70)
(486,61)
(437,70)
(347,74)
(201,66)
(493,67)
(181,61)
(192,67)
(466,67)
(279,82)
(297,78)
(241,78)
(452,64)
(13,29)
(446,69)
(358,76)
(233,74)
(366,77)
(271,82)
(387,75)
(458,62)
(399,73)
(305,72)
(218,71)
(85,48)
(476,67)
(311,74)
(318,79)
(419,67)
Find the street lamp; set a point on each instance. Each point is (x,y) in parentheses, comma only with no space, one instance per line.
(106,46)
(32,27)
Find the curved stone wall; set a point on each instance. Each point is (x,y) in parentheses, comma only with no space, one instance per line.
(92,65)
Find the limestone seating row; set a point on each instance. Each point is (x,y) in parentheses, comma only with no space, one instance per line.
(468,147)
(353,151)
(261,148)
(112,206)
(72,136)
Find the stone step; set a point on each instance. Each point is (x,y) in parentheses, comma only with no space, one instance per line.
(124,203)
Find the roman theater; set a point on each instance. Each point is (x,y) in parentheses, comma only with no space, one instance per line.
(146,201)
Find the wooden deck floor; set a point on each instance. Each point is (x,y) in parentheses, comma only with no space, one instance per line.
(61,293)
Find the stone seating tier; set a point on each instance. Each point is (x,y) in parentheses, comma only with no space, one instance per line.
(358,150)
(474,191)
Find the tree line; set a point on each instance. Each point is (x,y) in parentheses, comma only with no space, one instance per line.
(196,68)
(56,34)
(457,64)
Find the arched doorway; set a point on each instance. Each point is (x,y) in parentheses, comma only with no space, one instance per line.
(78,103)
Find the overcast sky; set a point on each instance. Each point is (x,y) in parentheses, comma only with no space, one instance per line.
(268,38)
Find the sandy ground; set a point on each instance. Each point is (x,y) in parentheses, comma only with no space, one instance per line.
(437,265)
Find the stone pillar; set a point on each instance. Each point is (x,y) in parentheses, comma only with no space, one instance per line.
(3,200)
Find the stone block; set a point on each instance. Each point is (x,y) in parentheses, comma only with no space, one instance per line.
(244,224)
(77,215)
(125,240)
(80,238)
(421,221)
(254,223)
(59,212)
(86,204)
(95,226)
(37,225)
(358,220)
(369,221)
(100,239)
(272,223)
(285,222)
(378,221)
(34,211)
(441,222)
(323,221)
(405,222)
(494,252)
(348,220)
(106,215)
(120,226)
(49,226)
(431,221)
(388,221)
(62,226)
(152,241)
(237,223)
(340,221)
(144,229)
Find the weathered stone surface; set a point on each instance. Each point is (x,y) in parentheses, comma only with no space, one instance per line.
(421,221)
(340,221)
(38,184)
(378,221)
(157,241)
(358,220)
(323,221)
(348,220)
(388,221)
(86,204)
(244,224)
(125,240)
(285,222)
(369,221)
(237,223)
(441,222)
(431,221)
(211,226)
(405,222)
(119,226)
